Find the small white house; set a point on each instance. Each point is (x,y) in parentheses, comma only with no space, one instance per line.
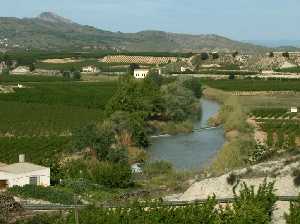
(22,173)
(294,110)
(90,69)
(21,70)
(141,73)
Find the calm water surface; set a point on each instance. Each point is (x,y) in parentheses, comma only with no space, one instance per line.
(193,150)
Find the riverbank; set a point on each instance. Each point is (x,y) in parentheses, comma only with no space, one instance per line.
(238,133)
(191,150)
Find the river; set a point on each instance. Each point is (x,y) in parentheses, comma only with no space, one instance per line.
(193,150)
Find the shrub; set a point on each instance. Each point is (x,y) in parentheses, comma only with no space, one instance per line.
(296,175)
(294,216)
(204,56)
(231,76)
(112,175)
(232,179)
(257,207)
(118,155)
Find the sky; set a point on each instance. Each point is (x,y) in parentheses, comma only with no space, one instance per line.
(236,19)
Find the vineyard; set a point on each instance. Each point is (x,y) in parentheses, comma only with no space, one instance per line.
(281,126)
(29,78)
(254,85)
(39,150)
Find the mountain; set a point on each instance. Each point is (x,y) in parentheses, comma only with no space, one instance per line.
(50,31)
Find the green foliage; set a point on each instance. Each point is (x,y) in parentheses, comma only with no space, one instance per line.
(204,56)
(50,194)
(157,168)
(256,207)
(38,150)
(5,72)
(248,208)
(231,76)
(296,175)
(194,84)
(112,175)
(232,179)
(131,123)
(29,78)
(294,215)
(179,102)
(98,139)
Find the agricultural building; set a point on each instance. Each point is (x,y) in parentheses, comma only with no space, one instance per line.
(23,173)
(141,73)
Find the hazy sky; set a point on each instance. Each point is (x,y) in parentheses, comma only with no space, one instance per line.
(237,19)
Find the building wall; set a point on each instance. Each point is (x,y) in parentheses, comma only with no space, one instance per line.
(23,179)
(141,74)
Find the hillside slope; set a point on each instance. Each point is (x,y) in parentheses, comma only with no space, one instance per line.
(50,31)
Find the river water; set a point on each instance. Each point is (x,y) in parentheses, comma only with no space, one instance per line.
(193,150)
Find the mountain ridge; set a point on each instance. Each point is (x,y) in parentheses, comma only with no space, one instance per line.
(51,31)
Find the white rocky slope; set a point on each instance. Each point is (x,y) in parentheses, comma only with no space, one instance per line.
(278,171)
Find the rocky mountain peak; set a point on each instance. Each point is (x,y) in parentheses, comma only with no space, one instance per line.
(54,18)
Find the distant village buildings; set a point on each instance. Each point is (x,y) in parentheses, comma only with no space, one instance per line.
(141,73)
(23,173)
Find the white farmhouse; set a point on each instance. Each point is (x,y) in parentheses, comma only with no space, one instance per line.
(141,73)
(21,70)
(22,173)
(90,69)
(294,110)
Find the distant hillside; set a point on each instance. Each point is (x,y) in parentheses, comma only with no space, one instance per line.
(50,31)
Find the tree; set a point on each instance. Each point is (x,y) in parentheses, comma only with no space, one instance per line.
(215,55)
(76,75)
(132,67)
(234,54)
(286,54)
(5,71)
(31,67)
(231,76)
(194,84)
(271,54)
(204,56)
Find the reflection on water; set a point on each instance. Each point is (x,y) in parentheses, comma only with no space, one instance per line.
(194,150)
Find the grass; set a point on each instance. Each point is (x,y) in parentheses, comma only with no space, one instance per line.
(239,140)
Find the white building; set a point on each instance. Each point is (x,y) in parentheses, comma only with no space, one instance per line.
(90,69)
(21,70)
(294,110)
(141,73)
(22,173)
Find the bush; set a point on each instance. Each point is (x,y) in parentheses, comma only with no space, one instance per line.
(44,193)
(255,207)
(204,56)
(112,175)
(294,216)
(194,84)
(231,76)
(296,175)
(158,168)
(232,179)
